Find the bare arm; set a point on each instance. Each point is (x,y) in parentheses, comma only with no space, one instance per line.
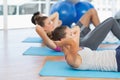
(76,34)
(48,42)
(70,49)
(55,18)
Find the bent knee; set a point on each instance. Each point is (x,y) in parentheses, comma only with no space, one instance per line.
(92,11)
(111,19)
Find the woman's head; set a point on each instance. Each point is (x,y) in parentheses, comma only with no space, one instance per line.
(61,32)
(45,22)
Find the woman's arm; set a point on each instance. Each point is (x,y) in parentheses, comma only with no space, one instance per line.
(55,19)
(70,49)
(76,34)
(47,41)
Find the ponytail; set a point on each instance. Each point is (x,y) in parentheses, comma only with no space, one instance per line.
(33,17)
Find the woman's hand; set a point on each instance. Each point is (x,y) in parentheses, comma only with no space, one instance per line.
(76,30)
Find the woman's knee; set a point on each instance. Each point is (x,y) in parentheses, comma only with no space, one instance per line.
(110,20)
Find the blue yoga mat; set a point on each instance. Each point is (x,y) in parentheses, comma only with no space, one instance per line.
(54,68)
(45,51)
(32,40)
(42,51)
(39,40)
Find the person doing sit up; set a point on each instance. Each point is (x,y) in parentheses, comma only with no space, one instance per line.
(83,58)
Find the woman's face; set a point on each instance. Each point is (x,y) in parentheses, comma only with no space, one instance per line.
(48,25)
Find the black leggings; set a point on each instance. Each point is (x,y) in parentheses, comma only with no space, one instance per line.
(94,38)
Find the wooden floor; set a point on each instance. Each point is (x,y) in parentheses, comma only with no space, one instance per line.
(15,66)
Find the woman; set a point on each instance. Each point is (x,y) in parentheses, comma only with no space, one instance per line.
(84,58)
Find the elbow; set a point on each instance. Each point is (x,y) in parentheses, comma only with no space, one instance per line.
(37,30)
(57,13)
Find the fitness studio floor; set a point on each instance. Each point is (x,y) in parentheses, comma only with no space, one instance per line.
(15,66)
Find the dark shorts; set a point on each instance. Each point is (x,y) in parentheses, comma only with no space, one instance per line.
(118,57)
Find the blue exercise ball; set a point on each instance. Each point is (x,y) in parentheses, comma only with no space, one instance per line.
(66,10)
(81,9)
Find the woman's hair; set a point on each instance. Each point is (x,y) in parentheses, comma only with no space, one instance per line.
(40,20)
(34,16)
(59,33)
